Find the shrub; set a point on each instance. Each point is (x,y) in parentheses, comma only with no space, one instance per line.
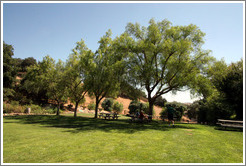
(107,104)
(134,107)
(14,103)
(70,106)
(117,107)
(193,110)
(178,110)
(160,101)
(8,94)
(163,113)
(9,108)
(91,106)
(36,109)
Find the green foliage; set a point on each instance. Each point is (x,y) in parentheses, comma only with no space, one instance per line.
(14,103)
(8,94)
(163,113)
(160,101)
(9,67)
(179,109)
(9,108)
(117,107)
(47,78)
(36,109)
(70,106)
(104,70)
(75,72)
(231,87)
(14,107)
(134,107)
(193,110)
(129,91)
(91,106)
(27,62)
(163,58)
(137,106)
(107,104)
(225,99)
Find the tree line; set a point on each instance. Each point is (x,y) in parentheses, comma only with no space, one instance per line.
(160,58)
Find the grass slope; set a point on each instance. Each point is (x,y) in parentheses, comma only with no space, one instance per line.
(65,139)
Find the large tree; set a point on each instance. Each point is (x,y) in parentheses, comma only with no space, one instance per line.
(49,77)
(105,71)
(232,88)
(76,67)
(54,79)
(162,57)
(9,67)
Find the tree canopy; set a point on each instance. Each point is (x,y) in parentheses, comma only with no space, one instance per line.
(163,58)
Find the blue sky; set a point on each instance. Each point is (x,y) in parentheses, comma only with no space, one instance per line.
(39,29)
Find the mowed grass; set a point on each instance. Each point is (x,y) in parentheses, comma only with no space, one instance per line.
(65,139)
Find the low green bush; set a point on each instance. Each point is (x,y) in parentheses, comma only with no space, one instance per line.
(14,107)
(91,106)
(14,103)
(117,107)
(70,106)
(36,109)
(107,104)
(9,108)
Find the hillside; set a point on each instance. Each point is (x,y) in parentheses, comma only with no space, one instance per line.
(124,101)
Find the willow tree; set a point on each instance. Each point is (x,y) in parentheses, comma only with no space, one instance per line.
(76,67)
(163,58)
(105,70)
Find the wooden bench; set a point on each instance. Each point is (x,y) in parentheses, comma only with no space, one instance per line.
(230,123)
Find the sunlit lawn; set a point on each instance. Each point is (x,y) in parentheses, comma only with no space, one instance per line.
(52,139)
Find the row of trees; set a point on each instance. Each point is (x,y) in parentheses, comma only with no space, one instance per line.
(160,58)
(223,94)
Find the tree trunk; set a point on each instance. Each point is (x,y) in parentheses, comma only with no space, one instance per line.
(58,109)
(96,108)
(75,110)
(151,105)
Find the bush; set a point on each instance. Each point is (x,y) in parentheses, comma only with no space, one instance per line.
(36,109)
(14,103)
(117,107)
(91,106)
(163,113)
(8,94)
(70,106)
(160,101)
(107,104)
(134,107)
(193,110)
(178,110)
(9,108)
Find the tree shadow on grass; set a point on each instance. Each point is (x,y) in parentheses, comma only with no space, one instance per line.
(228,129)
(80,124)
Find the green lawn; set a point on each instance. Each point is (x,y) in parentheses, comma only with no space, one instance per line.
(64,139)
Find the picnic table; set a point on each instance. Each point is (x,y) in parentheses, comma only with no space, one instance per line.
(108,115)
(230,123)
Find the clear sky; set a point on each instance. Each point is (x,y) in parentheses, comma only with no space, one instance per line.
(40,29)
